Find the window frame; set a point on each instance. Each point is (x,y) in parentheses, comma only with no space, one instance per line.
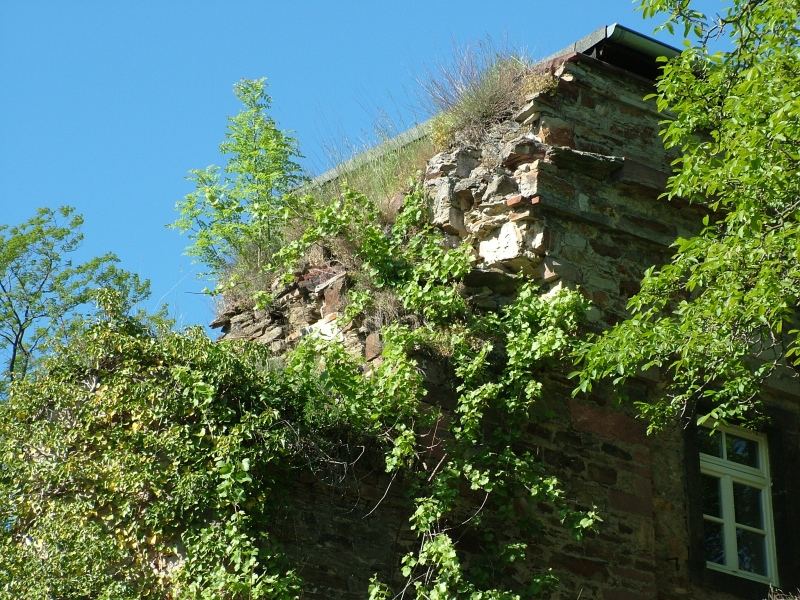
(729,472)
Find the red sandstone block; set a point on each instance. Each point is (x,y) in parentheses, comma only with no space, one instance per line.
(640,486)
(631,503)
(620,594)
(372,346)
(626,574)
(606,423)
(602,474)
(581,566)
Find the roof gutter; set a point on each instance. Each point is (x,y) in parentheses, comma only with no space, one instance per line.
(621,35)
(639,42)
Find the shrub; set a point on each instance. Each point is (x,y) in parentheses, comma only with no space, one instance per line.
(236,216)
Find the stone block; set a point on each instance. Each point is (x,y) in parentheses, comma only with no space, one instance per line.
(499,185)
(440,165)
(553,268)
(446,214)
(621,594)
(466,159)
(270,335)
(582,566)
(602,474)
(327,328)
(529,112)
(556,132)
(605,422)
(522,150)
(373,346)
(631,503)
(513,245)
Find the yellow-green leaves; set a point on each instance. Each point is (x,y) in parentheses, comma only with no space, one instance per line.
(44,297)
(236,216)
(715,320)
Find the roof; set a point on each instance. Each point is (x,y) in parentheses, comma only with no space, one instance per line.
(614,44)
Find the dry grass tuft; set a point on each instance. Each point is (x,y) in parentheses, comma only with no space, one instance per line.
(480,87)
(779,595)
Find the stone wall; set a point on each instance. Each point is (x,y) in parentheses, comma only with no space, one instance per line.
(565,193)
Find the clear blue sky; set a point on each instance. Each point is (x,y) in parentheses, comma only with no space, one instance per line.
(106,105)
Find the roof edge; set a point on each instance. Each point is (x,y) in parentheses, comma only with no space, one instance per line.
(615,33)
(624,36)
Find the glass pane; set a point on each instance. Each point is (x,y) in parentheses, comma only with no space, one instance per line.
(714,542)
(710,442)
(742,451)
(751,551)
(747,502)
(711,501)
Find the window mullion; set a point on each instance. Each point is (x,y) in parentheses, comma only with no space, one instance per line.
(729,525)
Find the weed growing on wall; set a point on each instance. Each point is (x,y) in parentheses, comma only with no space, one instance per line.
(480,88)
(237,216)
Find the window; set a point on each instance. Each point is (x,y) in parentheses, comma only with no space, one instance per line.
(738,535)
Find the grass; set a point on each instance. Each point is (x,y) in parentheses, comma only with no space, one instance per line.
(480,87)
(779,595)
(390,171)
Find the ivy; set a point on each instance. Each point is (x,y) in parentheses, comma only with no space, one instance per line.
(498,361)
(150,464)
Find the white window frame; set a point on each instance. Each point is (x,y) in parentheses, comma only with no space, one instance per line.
(729,472)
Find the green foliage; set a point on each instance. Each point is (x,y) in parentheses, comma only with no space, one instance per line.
(44,296)
(409,260)
(140,466)
(147,465)
(474,464)
(236,216)
(380,173)
(480,461)
(722,316)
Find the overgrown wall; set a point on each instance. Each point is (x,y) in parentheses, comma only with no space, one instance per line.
(565,193)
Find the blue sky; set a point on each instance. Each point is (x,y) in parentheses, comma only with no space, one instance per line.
(106,105)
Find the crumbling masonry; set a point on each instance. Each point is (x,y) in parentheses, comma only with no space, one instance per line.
(565,193)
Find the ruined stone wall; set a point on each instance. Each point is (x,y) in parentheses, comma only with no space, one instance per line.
(565,193)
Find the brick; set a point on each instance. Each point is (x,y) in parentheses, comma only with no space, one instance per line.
(582,566)
(515,200)
(626,574)
(623,594)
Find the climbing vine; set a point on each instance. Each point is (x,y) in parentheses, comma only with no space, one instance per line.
(149,464)
(468,466)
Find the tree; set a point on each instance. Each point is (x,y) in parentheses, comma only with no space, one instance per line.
(235,217)
(44,295)
(721,317)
